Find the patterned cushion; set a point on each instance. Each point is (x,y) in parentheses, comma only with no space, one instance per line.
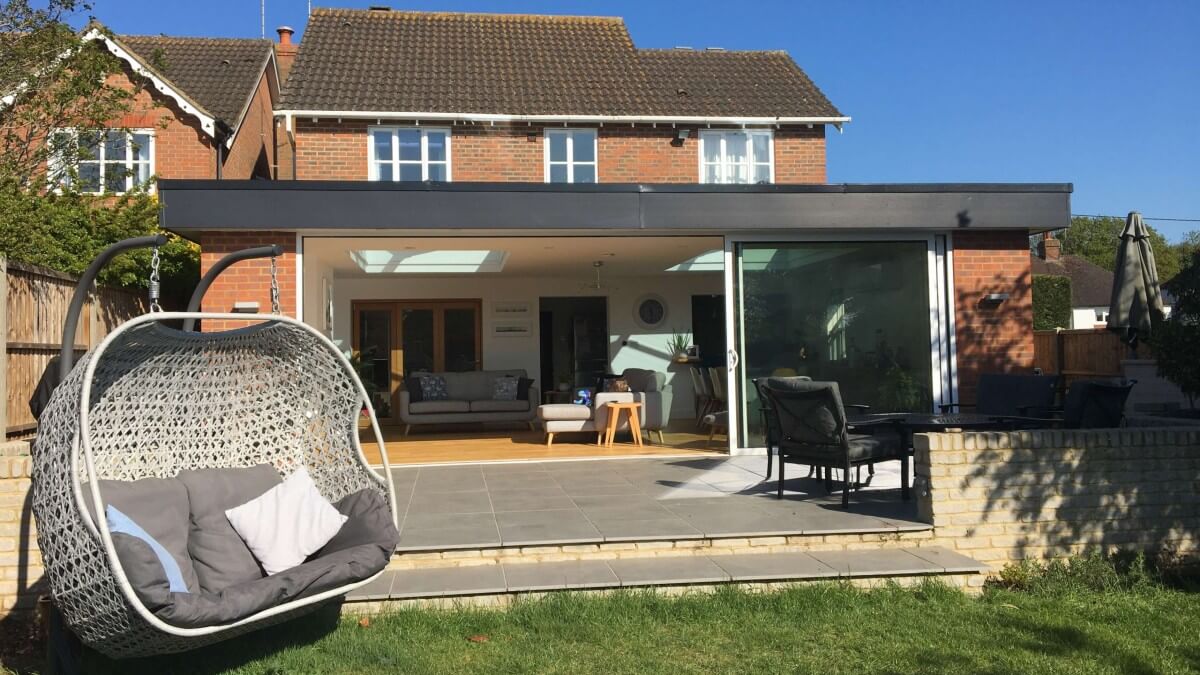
(504,389)
(433,388)
(618,384)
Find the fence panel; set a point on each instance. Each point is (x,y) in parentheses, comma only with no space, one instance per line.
(1082,354)
(35,302)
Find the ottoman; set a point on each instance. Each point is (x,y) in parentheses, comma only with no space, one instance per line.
(566,417)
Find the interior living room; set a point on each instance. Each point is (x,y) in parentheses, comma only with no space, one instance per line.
(571,322)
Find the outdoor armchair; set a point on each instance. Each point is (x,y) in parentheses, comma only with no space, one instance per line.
(1011,395)
(1090,404)
(814,430)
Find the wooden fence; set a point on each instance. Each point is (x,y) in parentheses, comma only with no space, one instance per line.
(1081,354)
(33,307)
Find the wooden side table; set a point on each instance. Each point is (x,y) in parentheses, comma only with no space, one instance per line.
(633,410)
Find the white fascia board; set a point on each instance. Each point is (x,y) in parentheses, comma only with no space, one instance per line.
(207,122)
(567,119)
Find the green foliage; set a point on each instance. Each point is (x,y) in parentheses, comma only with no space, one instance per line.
(900,392)
(1051,302)
(678,342)
(65,231)
(1096,239)
(1176,341)
(1094,572)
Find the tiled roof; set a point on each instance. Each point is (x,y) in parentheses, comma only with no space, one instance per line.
(392,61)
(219,74)
(1091,284)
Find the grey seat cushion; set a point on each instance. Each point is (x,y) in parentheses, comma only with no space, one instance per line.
(366,542)
(160,507)
(428,407)
(861,447)
(564,411)
(492,405)
(220,556)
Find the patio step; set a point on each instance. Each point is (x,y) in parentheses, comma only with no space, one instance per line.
(499,582)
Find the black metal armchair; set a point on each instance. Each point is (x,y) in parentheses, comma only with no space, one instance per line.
(1011,395)
(813,429)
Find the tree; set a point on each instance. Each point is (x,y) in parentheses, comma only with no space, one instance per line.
(1096,239)
(1176,341)
(1051,302)
(50,80)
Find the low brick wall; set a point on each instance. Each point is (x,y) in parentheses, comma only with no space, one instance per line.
(1000,497)
(20,560)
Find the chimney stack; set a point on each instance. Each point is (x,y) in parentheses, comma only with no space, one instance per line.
(285,51)
(1050,248)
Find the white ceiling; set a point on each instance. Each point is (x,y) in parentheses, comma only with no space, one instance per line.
(525,256)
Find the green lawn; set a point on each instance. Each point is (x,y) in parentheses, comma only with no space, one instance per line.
(1050,627)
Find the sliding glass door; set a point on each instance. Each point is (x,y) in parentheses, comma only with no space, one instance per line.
(863,314)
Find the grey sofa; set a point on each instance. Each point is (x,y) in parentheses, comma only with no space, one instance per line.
(647,387)
(470,401)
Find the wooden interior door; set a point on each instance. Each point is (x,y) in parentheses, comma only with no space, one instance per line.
(375,341)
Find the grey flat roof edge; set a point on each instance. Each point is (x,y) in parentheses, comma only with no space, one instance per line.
(578,188)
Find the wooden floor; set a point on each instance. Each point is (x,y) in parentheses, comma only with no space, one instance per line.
(473,443)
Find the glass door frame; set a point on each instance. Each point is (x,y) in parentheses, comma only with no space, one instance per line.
(396,358)
(940,280)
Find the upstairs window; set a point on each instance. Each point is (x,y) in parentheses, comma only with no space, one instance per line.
(105,162)
(736,157)
(409,154)
(570,155)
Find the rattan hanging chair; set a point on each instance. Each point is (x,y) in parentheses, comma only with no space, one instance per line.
(152,400)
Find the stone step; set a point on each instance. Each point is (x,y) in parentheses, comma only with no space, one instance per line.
(530,577)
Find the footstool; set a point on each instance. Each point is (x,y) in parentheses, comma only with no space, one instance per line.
(567,417)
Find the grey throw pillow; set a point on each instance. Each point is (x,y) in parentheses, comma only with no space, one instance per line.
(504,388)
(220,557)
(369,521)
(160,507)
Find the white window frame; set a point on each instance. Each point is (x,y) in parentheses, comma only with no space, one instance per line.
(719,136)
(571,162)
(396,162)
(131,180)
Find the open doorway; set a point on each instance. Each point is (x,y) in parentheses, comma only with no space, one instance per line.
(574,343)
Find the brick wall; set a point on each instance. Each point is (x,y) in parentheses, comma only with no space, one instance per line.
(331,150)
(181,148)
(249,280)
(1000,497)
(253,152)
(20,560)
(991,337)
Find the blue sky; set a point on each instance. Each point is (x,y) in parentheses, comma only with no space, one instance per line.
(1101,93)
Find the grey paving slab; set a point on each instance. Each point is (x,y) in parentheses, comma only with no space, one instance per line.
(949,561)
(520,480)
(512,467)
(622,513)
(647,530)
(742,525)
(667,571)
(450,502)
(437,521)
(769,566)
(449,480)
(535,499)
(448,581)
(454,538)
(610,501)
(532,528)
(606,489)
(378,589)
(590,479)
(876,563)
(559,575)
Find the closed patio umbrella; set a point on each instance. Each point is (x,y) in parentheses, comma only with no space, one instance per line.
(1135,293)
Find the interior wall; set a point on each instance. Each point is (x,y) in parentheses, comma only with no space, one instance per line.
(630,345)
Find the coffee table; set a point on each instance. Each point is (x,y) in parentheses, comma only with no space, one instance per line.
(632,409)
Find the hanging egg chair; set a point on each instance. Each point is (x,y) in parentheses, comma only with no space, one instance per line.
(151,401)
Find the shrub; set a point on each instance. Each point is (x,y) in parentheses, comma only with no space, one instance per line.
(1176,341)
(1051,302)
(1095,571)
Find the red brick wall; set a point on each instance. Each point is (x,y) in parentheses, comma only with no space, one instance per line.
(991,338)
(181,148)
(255,138)
(249,280)
(331,150)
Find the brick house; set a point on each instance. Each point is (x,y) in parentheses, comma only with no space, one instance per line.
(514,192)
(203,109)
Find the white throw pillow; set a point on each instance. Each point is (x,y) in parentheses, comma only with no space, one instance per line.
(287,523)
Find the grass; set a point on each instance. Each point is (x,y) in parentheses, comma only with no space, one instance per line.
(1072,618)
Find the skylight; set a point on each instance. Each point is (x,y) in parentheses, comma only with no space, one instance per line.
(709,261)
(429,262)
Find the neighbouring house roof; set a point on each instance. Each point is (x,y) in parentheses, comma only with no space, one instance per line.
(530,65)
(1091,284)
(212,79)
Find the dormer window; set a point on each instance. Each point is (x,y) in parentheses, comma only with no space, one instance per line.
(736,157)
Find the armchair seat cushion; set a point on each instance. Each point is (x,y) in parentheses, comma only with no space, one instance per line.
(496,405)
(428,406)
(564,411)
(861,448)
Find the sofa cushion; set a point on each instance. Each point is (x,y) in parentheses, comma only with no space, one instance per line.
(128,540)
(523,385)
(413,386)
(219,555)
(368,520)
(429,407)
(492,405)
(470,385)
(564,411)
(160,507)
(640,379)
